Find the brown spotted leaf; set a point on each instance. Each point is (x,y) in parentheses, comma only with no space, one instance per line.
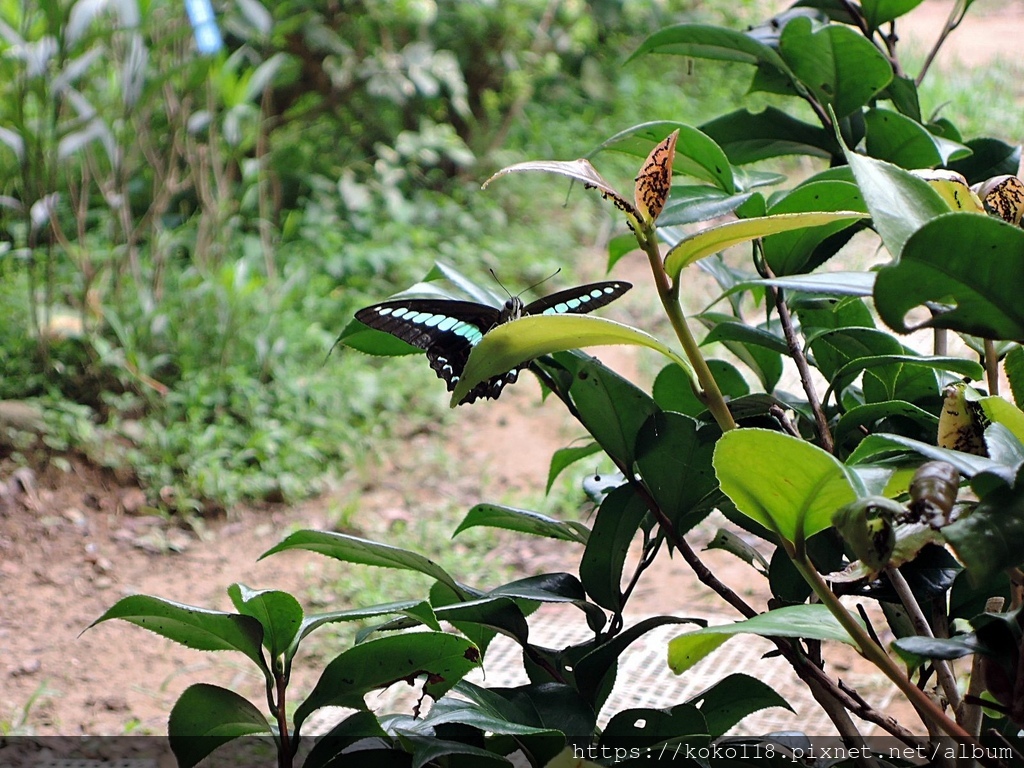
(655,179)
(580,170)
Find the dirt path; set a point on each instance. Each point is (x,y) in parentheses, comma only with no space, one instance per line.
(71,550)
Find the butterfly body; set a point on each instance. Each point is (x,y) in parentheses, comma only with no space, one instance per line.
(448,330)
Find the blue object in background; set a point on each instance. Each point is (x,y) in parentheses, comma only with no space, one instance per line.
(204,24)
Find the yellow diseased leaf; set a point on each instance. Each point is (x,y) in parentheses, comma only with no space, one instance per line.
(952,188)
(655,179)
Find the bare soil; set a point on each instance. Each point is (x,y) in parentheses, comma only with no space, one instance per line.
(75,543)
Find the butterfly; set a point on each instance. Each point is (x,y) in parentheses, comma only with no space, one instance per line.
(448,330)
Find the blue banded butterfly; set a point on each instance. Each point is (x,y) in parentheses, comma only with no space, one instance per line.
(448,330)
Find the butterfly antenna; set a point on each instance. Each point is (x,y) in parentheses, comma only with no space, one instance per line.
(495,276)
(539,282)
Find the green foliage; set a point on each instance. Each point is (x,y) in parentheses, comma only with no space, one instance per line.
(822,478)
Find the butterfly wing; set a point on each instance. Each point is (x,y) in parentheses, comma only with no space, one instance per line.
(446,330)
(578,300)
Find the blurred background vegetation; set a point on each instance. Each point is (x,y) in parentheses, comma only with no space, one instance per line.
(182,237)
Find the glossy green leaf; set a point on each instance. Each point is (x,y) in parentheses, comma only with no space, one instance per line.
(989,539)
(672,390)
(812,622)
(673,454)
(825,283)
(975,263)
(647,731)
(615,525)
(326,752)
(786,484)
(278,612)
(443,658)
(696,154)
(732,698)
(892,365)
(789,252)
(692,204)
(747,137)
(879,12)
(620,246)
(502,614)
(906,143)
(839,66)
(703,41)
(519,341)
(352,549)
(207,716)
(724,328)
(718,238)
(611,407)
(313,621)
(566,457)
(733,544)
(545,588)
(899,202)
(902,92)
(358,337)
(523,521)
(428,750)
(870,414)
(937,647)
(991,157)
(875,447)
(193,627)
(1013,365)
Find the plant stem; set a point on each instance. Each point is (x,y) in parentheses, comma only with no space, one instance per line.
(943,669)
(877,656)
(797,353)
(956,15)
(710,395)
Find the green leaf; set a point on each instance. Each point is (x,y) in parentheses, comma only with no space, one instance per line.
(432,750)
(870,414)
(784,483)
(673,455)
(545,588)
(811,622)
(902,92)
(826,284)
(895,364)
(989,539)
(207,716)
(620,246)
(907,143)
(193,627)
(696,154)
(316,620)
(615,525)
(899,202)
(839,66)
(747,137)
(672,390)
(789,252)
(937,647)
(991,157)
(691,204)
(879,12)
(733,544)
(372,342)
(523,521)
(278,612)
(356,727)
(732,698)
(352,549)
(443,658)
(724,328)
(975,263)
(1001,411)
(645,731)
(874,447)
(611,408)
(499,613)
(1013,365)
(703,41)
(718,238)
(514,343)
(566,457)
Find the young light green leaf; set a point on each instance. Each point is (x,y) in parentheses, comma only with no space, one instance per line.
(207,716)
(715,239)
(193,627)
(812,622)
(352,549)
(519,341)
(786,484)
